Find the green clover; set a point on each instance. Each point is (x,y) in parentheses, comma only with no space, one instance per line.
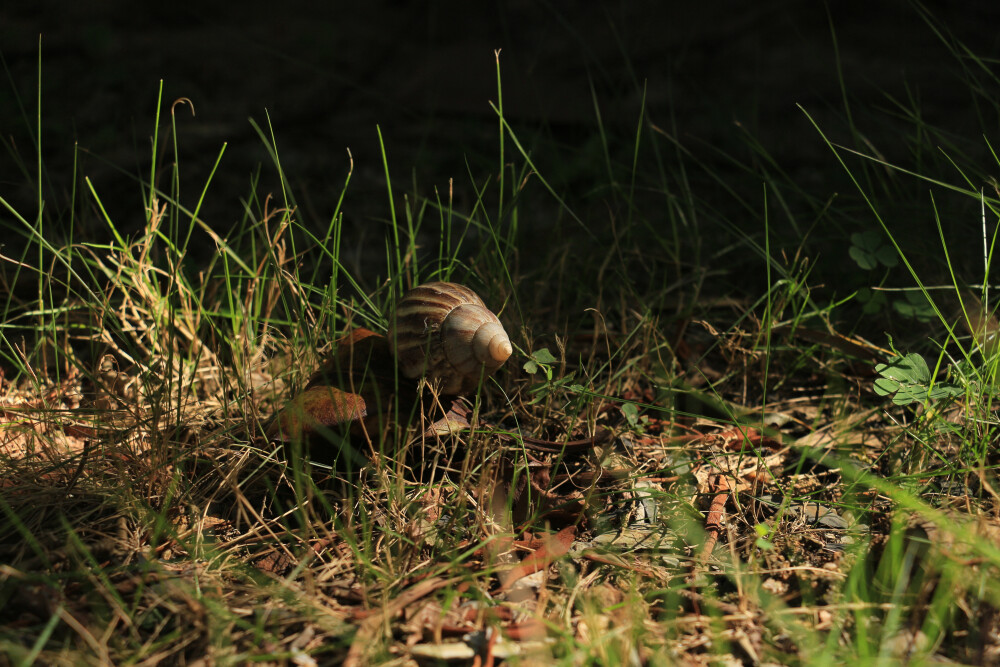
(908,380)
(868,250)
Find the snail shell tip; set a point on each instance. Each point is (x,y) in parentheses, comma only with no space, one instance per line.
(501,350)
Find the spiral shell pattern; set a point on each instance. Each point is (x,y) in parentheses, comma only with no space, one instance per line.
(444,330)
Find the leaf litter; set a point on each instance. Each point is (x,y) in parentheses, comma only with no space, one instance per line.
(532,530)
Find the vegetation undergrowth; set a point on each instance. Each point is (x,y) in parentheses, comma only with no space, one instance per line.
(705,447)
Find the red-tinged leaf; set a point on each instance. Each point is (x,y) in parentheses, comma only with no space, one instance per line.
(531,629)
(354,336)
(315,409)
(553,548)
(274,562)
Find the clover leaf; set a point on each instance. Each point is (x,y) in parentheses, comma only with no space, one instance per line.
(868,251)
(908,380)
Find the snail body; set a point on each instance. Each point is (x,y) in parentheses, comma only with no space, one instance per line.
(445,331)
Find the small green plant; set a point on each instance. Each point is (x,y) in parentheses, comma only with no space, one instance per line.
(872,301)
(908,380)
(764,534)
(541,360)
(869,250)
(631,413)
(916,306)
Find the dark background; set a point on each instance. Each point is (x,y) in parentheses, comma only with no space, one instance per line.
(327,74)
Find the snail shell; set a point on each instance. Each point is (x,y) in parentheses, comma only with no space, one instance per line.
(445,331)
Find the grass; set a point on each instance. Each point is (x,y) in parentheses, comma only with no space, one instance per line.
(765,476)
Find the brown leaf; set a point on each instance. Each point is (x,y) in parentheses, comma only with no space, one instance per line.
(552,548)
(274,562)
(319,407)
(454,421)
(526,630)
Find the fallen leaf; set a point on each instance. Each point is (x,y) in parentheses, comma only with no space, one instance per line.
(552,548)
(315,409)
(453,422)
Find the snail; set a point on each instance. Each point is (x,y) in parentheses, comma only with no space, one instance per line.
(441,331)
(446,332)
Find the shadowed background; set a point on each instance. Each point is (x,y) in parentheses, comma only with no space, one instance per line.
(425,72)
